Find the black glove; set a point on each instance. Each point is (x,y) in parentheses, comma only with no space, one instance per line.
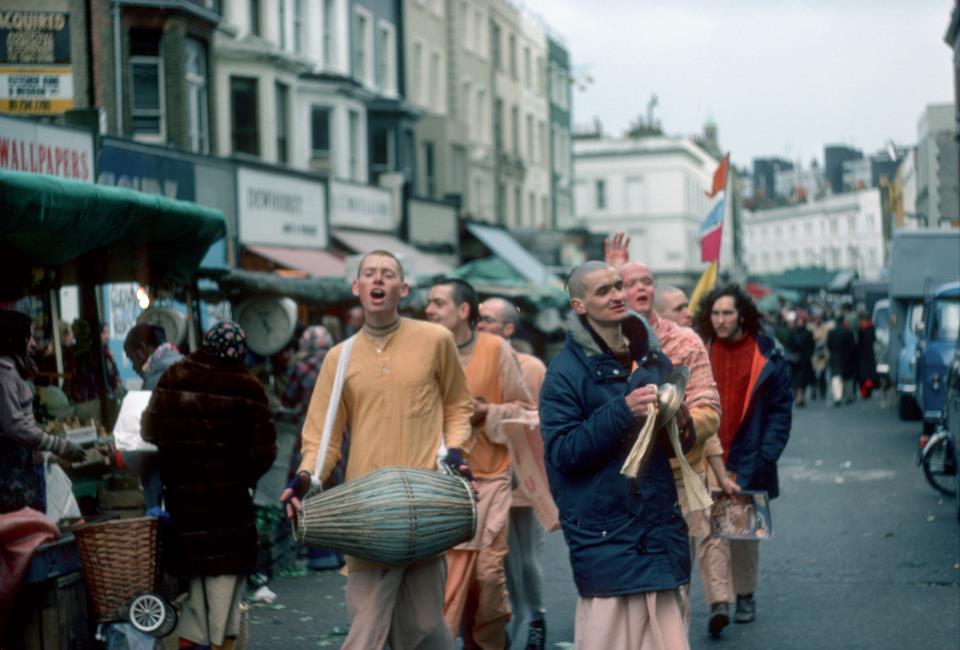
(300,484)
(454,460)
(64,449)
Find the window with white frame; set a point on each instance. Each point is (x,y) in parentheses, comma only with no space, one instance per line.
(355,146)
(515,130)
(466,105)
(146,87)
(600,187)
(362,45)
(517,205)
(530,135)
(457,182)
(245,124)
(254,14)
(512,53)
(466,20)
(435,82)
(532,209)
(527,68)
(541,76)
(320,135)
(386,74)
(542,156)
(281,118)
(283,23)
(429,183)
(198,122)
(545,209)
(480,133)
(479,27)
(299,22)
(329,33)
(416,73)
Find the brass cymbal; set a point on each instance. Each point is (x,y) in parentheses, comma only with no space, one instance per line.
(671,393)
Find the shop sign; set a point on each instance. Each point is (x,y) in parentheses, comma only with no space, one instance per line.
(280,210)
(146,172)
(360,206)
(35,73)
(49,150)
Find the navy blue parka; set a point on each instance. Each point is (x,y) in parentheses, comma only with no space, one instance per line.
(625,536)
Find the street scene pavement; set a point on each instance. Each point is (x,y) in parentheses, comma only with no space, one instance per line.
(864,554)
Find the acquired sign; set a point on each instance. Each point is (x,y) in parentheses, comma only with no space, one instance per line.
(35,73)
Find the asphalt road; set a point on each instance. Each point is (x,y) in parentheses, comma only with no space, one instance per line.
(864,554)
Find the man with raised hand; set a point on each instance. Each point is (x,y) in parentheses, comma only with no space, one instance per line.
(525,537)
(683,347)
(404,389)
(627,538)
(475,601)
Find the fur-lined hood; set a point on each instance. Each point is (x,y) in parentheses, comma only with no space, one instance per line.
(636,328)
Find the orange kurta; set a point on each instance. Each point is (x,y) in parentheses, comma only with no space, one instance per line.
(476,593)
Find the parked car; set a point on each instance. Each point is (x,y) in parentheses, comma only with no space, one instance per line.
(936,348)
(951,408)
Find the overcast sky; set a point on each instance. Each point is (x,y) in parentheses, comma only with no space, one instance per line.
(779,77)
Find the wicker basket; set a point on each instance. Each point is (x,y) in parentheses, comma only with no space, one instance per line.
(119,560)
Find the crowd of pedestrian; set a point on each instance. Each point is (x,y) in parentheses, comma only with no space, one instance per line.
(403,392)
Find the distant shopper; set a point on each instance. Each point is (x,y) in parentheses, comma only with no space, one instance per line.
(866,356)
(150,353)
(800,347)
(842,346)
(756,402)
(819,328)
(210,419)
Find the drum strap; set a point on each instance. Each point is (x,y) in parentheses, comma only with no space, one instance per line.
(332,406)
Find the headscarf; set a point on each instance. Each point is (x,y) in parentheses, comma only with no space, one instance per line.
(314,339)
(227,341)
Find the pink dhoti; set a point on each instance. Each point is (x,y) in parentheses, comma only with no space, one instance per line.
(647,621)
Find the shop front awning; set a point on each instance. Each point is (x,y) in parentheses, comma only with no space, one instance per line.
(508,249)
(419,263)
(315,263)
(99,234)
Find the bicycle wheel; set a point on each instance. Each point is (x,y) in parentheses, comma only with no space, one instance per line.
(940,466)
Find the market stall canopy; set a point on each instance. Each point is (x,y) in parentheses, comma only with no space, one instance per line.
(104,234)
(316,263)
(508,249)
(811,278)
(416,263)
(491,276)
(236,286)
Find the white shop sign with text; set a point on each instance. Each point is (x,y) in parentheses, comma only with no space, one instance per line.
(360,206)
(278,210)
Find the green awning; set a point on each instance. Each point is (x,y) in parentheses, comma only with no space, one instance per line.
(99,234)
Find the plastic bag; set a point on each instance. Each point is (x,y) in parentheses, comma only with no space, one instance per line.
(61,502)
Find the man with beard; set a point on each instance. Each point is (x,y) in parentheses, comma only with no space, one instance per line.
(627,538)
(683,347)
(757,404)
(404,388)
(475,599)
(525,537)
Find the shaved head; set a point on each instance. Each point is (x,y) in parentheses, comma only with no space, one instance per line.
(502,309)
(575,286)
(664,294)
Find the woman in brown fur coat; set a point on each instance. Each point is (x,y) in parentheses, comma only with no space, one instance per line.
(210,419)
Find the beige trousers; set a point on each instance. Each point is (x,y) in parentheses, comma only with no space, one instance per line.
(211,612)
(402,606)
(744,560)
(649,621)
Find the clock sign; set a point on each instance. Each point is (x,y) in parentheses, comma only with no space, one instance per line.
(173,322)
(268,322)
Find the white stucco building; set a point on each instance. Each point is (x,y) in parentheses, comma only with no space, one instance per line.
(653,188)
(535,151)
(839,232)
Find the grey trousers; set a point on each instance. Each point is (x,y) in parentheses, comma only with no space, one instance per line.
(524,573)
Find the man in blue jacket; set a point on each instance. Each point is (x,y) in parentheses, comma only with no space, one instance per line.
(627,537)
(757,402)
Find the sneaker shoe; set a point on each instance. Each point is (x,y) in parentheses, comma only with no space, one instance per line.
(746,609)
(719,619)
(537,635)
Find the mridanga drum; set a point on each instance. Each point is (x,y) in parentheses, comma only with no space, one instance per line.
(393,516)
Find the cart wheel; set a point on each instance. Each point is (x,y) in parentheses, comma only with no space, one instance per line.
(152,615)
